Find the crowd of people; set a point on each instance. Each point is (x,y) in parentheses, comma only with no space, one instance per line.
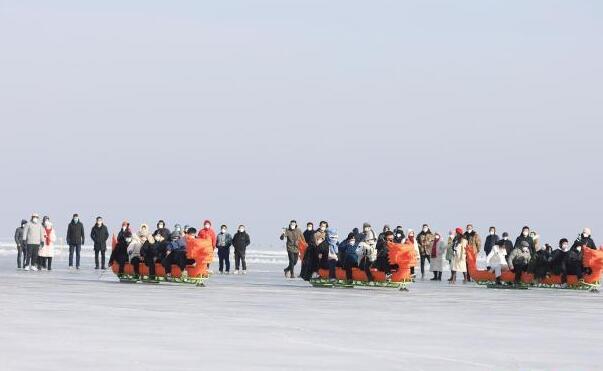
(35,242)
(367,250)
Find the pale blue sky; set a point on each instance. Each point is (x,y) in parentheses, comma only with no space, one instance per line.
(445,112)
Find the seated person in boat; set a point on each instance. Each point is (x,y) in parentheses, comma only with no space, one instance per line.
(519,260)
(176,253)
(497,260)
(328,258)
(348,256)
(539,265)
(382,260)
(367,254)
(119,254)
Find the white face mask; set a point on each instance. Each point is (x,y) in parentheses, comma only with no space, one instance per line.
(469,230)
(207,226)
(564,247)
(292,226)
(241,230)
(367,229)
(491,233)
(160,226)
(352,242)
(425,229)
(310,227)
(123,228)
(578,248)
(75,220)
(399,235)
(323,228)
(223,230)
(525,234)
(34,220)
(128,240)
(505,238)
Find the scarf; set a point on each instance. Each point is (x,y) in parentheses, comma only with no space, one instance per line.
(47,236)
(434,248)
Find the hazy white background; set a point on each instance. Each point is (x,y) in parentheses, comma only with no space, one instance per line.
(257,112)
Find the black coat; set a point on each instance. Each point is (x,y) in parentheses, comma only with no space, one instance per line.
(309,237)
(240,241)
(100,235)
(75,233)
(491,240)
(584,241)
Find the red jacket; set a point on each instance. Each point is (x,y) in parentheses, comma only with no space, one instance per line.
(208,234)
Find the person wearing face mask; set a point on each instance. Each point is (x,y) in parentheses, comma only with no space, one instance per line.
(425,242)
(459,256)
(328,258)
(348,256)
(75,239)
(240,241)
(47,251)
(497,260)
(382,261)
(491,240)
(438,250)
(474,241)
(399,235)
(162,239)
(308,264)
(381,237)
(223,242)
(100,235)
(176,252)
(411,240)
(585,239)
(33,239)
(573,263)
(292,235)
(507,244)
(525,236)
(20,246)
(119,254)
(539,264)
(207,232)
(519,260)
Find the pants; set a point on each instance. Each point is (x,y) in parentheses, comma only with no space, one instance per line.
(332,268)
(423,258)
(121,262)
(31,255)
(46,262)
(21,252)
(224,258)
(175,257)
(41,261)
(348,265)
(293,256)
(102,253)
(519,269)
(239,256)
(365,265)
(136,264)
(149,260)
(570,267)
(382,264)
(77,248)
(498,268)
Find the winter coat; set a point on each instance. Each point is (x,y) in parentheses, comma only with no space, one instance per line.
(49,238)
(474,240)
(75,234)
(162,235)
(459,256)
(497,256)
(240,241)
(178,245)
(224,240)
(120,252)
(425,242)
(529,240)
(369,238)
(134,248)
(508,245)
(19,236)
(208,233)
(309,236)
(333,244)
(574,256)
(99,235)
(366,250)
(347,251)
(292,236)
(519,255)
(437,262)
(584,241)
(491,240)
(33,233)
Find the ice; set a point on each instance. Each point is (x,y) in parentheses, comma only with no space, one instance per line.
(86,320)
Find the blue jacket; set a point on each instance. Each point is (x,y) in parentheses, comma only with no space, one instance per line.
(333,244)
(178,245)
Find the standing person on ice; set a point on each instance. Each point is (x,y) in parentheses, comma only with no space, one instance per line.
(292,235)
(491,240)
(47,251)
(21,247)
(240,241)
(99,235)
(223,242)
(519,260)
(459,256)
(473,241)
(437,252)
(425,241)
(75,239)
(208,233)
(497,260)
(307,261)
(585,239)
(33,239)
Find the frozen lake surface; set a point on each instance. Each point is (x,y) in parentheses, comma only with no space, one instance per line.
(63,320)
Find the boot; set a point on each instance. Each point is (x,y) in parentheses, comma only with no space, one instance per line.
(435,276)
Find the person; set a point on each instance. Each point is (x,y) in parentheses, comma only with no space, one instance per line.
(240,241)
(399,235)
(292,235)
(41,261)
(119,254)
(33,239)
(331,254)
(507,244)
(459,256)
(411,240)
(134,250)
(176,252)
(20,246)
(539,263)
(573,263)
(382,261)
(474,241)
(309,263)
(519,260)
(525,236)
(99,235)
(425,242)
(491,240)
(161,235)
(348,255)
(367,254)
(557,258)
(47,250)
(496,260)
(437,252)
(381,237)
(75,239)
(309,232)
(207,232)
(536,238)
(585,239)
(223,242)
(177,228)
